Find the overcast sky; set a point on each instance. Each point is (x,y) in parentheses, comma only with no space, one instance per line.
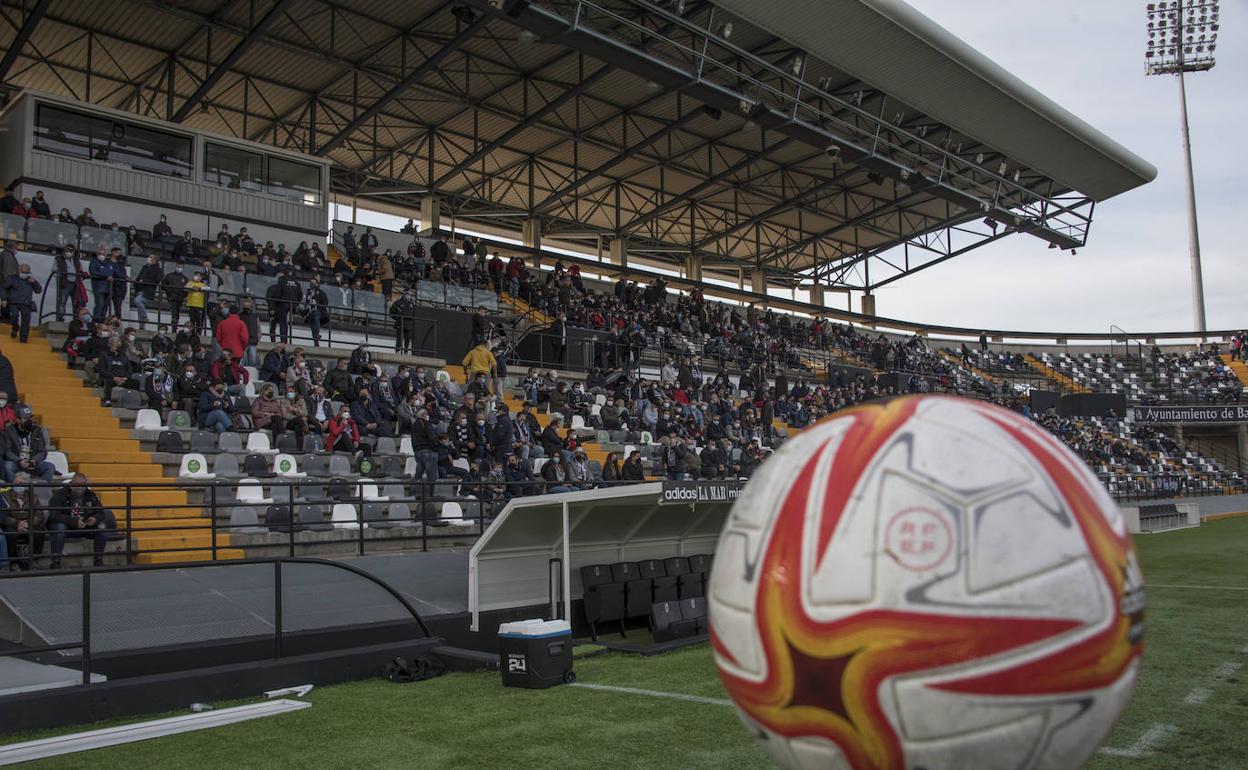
(1089,57)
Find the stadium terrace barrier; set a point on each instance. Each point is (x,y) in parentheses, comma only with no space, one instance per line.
(87,620)
(273,515)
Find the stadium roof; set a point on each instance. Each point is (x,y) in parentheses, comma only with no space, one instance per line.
(724,129)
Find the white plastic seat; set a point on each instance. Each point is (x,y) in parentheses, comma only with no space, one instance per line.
(287,467)
(369,491)
(59,462)
(251,491)
(148,419)
(460,462)
(405,447)
(344,517)
(194,466)
(595,410)
(452,513)
(578,422)
(258,443)
(601,400)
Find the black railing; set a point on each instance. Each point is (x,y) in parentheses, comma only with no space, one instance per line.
(85,616)
(290,519)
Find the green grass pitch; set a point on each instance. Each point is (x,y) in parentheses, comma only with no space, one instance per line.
(1197,633)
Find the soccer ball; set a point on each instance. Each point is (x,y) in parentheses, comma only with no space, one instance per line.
(927,582)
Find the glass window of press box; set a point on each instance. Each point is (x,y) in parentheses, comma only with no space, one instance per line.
(239,169)
(104,139)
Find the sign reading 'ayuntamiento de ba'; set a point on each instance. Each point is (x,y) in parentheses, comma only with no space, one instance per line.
(1210,413)
(675,492)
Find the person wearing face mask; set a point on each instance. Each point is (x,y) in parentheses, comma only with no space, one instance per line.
(133,349)
(8,410)
(173,286)
(315,309)
(24,448)
(21,529)
(75,512)
(20,291)
(252,322)
(232,333)
(266,412)
(295,414)
(184,247)
(197,302)
(113,369)
(101,272)
(367,414)
(342,434)
(214,408)
(145,285)
(161,229)
(160,388)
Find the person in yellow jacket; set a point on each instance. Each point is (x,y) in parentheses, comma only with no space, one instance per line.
(196,298)
(479,360)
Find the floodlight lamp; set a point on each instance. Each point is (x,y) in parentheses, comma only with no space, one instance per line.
(1001,169)
(745,105)
(1017,173)
(979,159)
(680,7)
(726,30)
(526,37)
(796,65)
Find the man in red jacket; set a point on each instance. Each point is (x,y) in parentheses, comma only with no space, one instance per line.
(232,334)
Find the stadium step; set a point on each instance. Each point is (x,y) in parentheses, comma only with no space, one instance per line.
(1054,375)
(523,308)
(1240,369)
(173,557)
(957,361)
(96,444)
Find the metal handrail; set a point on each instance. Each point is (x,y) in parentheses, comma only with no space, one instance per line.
(278,633)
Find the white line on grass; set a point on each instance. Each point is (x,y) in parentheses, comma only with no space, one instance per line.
(1146,744)
(654,693)
(1203,588)
(1198,696)
(1201,695)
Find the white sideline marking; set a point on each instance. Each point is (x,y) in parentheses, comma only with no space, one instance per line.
(1203,588)
(1201,695)
(655,693)
(1146,744)
(141,731)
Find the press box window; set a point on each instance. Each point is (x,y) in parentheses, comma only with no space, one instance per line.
(298,181)
(99,138)
(233,168)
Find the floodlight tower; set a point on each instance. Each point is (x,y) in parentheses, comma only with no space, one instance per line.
(1182,35)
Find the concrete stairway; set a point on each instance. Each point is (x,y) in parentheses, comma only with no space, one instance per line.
(96,444)
(1240,369)
(1054,375)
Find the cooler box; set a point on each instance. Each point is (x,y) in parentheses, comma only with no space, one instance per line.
(535,653)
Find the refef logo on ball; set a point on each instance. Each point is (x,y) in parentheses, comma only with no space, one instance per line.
(517,664)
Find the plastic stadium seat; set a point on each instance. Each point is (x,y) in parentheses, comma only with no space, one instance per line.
(665,621)
(230,442)
(600,400)
(690,585)
(461,462)
(400,515)
(700,562)
(258,443)
(345,516)
(170,442)
(312,443)
(285,466)
(276,518)
(149,419)
(409,467)
(453,513)
(59,462)
(257,465)
(676,566)
(405,446)
(226,466)
(285,442)
(314,465)
(638,591)
(312,518)
(578,422)
(693,610)
(202,441)
(339,466)
(385,446)
(194,466)
(375,516)
(391,466)
(127,398)
(244,521)
(370,493)
(251,491)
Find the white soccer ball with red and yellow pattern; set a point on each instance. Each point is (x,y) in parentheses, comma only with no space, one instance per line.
(927,582)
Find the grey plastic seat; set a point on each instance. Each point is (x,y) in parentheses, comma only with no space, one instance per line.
(314,465)
(375,516)
(285,442)
(178,420)
(311,518)
(226,466)
(400,515)
(393,490)
(386,446)
(244,521)
(339,466)
(392,466)
(204,442)
(230,442)
(127,398)
(313,443)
